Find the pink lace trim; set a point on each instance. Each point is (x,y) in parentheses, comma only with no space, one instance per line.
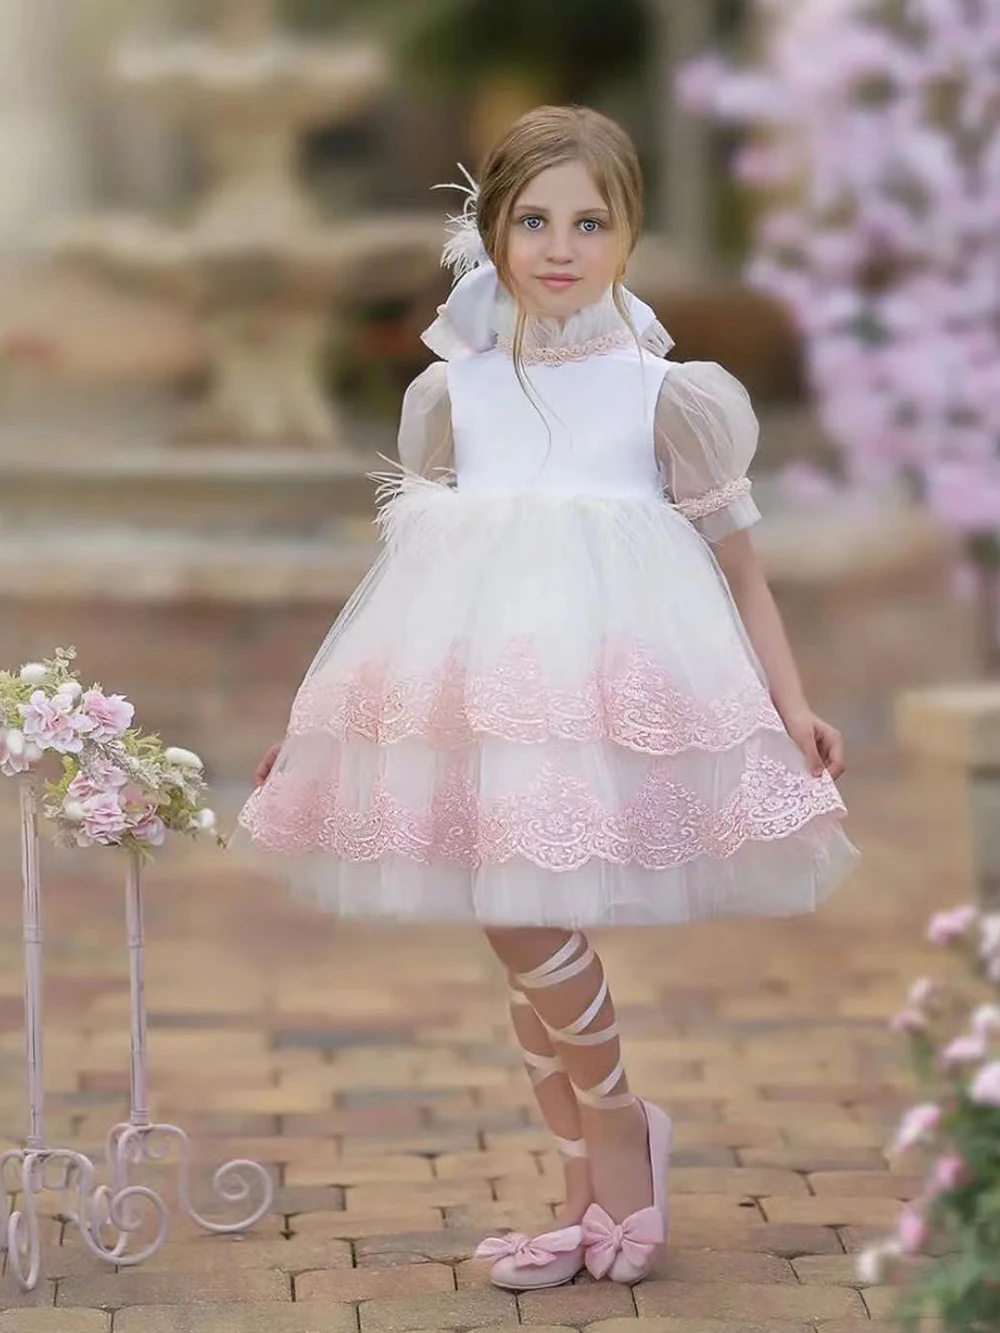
(556,822)
(559,356)
(628,699)
(714,499)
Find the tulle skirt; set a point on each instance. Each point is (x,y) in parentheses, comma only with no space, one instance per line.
(542,710)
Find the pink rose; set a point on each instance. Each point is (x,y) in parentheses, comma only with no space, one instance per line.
(950,1173)
(911,1231)
(111,714)
(985,1089)
(47,722)
(965,1050)
(946,927)
(103,820)
(917,1125)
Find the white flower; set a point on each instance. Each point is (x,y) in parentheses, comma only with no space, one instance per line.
(15,742)
(922,991)
(175,754)
(73,811)
(205,819)
(33,673)
(32,752)
(870,1263)
(990,937)
(70,689)
(986,1019)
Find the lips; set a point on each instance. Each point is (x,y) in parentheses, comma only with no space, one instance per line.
(557,280)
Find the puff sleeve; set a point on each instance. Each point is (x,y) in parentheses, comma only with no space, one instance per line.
(425,443)
(706,435)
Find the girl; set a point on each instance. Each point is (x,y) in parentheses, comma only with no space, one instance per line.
(563,697)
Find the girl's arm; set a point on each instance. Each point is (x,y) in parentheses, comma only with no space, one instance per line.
(822,743)
(706,436)
(759,613)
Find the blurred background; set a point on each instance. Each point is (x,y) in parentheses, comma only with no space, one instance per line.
(219,247)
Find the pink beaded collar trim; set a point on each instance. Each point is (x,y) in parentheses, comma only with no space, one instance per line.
(559,356)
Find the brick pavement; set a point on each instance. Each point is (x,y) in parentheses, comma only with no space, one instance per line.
(374,1073)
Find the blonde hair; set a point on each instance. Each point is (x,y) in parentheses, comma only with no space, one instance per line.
(547,137)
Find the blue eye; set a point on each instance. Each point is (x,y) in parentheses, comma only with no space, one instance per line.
(532,218)
(591,222)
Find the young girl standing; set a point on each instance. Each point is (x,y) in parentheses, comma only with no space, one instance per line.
(563,697)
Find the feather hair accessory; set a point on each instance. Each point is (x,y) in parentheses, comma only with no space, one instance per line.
(464,250)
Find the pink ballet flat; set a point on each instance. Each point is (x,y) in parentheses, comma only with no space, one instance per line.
(523,1263)
(624,1251)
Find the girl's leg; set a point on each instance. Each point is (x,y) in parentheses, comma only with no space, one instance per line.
(564,979)
(556,1101)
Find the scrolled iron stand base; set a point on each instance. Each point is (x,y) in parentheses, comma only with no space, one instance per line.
(27,1172)
(107,1216)
(138,1141)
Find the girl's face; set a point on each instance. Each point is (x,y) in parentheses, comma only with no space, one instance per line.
(561,247)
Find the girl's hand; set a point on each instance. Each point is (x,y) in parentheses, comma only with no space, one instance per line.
(265,765)
(821,743)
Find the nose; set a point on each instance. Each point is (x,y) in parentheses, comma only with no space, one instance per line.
(560,246)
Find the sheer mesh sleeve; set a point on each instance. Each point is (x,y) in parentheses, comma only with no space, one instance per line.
(425,443)
(706,435)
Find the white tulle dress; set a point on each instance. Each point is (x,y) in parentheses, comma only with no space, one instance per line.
(541,707)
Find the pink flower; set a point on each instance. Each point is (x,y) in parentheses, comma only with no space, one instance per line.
(101,776)
(985,1089)
(946,927)
(965,1050)
(950,1173)
(917,1125)
(150,828)
(911,1231)
(111,714)
(909,1020)
(697,83)
(47,722)
(103,820)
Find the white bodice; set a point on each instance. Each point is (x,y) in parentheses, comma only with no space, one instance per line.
(587,430)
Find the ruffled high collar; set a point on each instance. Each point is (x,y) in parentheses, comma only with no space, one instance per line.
(593,330)
(481,315)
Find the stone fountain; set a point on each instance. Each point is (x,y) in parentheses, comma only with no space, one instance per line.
(265,275)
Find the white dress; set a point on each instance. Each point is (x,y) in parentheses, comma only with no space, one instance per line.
(541,707)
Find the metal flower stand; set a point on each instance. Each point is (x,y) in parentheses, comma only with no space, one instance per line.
(107,1216)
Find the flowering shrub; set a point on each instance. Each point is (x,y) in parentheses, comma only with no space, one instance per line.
(119,787)
(956,1054)
(872,140)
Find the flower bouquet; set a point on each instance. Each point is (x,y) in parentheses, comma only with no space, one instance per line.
(119,787)
(955,1046)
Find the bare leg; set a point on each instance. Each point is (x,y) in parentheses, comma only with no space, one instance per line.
(557,1103)
(564,978)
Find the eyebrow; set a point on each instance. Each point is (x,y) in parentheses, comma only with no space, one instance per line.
(580,213)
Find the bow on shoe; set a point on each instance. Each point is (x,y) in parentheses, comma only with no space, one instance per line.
(532,1252)
(637,1237)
